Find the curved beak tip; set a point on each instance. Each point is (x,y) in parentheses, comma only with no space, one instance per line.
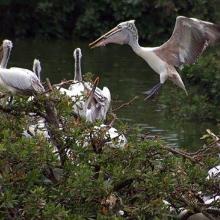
(90,45)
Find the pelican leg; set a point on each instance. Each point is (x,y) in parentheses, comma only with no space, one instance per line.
(152,91)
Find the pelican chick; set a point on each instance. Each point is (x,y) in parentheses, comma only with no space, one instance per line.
(17,80)
(189,39)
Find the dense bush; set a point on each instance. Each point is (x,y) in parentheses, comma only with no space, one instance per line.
(203,83)
(88,19)
(56,178)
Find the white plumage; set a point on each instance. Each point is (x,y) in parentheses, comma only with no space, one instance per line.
(90,105)
(17,80)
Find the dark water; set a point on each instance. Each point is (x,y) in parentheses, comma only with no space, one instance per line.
(123,72)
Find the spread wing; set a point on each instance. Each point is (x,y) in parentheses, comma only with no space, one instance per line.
(189,39)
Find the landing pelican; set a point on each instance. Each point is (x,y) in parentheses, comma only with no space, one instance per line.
(17,80)
(189,39)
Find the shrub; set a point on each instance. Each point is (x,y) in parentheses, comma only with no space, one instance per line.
(56,178)
(202,82)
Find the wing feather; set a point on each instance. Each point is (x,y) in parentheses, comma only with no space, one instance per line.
(21,79)
(189,39)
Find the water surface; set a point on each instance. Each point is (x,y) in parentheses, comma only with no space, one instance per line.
(123,72)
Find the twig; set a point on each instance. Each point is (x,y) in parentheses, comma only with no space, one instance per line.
(125,104)
(183,154)
(53,128)
(65,82)
(113,120)
(204,149)
(49,84)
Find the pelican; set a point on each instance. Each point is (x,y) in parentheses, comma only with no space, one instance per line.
(17,80)
(92,107)
(189,39)
(88,105)
(79,85)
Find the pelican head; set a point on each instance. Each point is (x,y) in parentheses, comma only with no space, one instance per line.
(124,33)
(6,47)
(77,54)
(77,57)
(37,67)
(7,44)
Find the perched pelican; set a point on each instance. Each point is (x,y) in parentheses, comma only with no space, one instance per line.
(17,80)
(94,107)
(189,39)
(87,105)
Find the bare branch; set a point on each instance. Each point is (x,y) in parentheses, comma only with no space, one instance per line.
(182,154)
(49,84)
(53,129)
(65,82)
(125,104)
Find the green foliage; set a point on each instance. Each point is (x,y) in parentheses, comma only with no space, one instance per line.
(36,184)
(88,19)
(202,82)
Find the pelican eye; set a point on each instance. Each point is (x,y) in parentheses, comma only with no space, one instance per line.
(119,26)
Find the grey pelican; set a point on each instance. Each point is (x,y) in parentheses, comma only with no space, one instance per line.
(189,39)
(79,89)
(17,80)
